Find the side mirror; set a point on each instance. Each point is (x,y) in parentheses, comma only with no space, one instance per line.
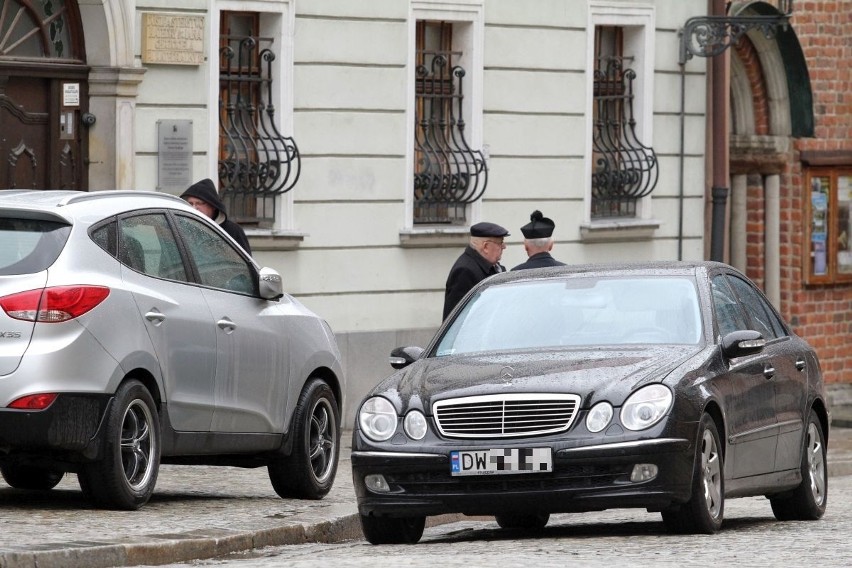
(270,285)
(741,343)
(402,357)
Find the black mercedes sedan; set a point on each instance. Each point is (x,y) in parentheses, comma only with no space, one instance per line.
(665,386)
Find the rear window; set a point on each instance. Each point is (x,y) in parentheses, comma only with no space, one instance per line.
(30,245)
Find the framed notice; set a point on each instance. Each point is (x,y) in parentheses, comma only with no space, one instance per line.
(174,154)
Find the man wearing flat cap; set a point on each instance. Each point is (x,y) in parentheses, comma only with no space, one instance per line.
(479,260)
(538,242)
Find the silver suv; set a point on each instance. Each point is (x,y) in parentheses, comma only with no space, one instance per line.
(134,332)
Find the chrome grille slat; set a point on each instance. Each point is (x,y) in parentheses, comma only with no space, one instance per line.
(506,415)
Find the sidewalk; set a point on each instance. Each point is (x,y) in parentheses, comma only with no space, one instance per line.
(202,512)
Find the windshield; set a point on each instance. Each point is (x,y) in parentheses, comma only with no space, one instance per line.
(577,312)
(29,245)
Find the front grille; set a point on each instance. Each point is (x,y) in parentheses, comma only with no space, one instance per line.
(506,416)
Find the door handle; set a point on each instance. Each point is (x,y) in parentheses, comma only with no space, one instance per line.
(226,325)
(769,371)
(155,316)
(800,364)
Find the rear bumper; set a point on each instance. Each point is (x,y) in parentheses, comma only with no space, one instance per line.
(67,429)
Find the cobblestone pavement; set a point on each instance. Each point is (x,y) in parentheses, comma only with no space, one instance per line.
(750,537)
(201,512)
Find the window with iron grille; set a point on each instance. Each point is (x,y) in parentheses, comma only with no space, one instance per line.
(448,173)
(624,170)
(257,163)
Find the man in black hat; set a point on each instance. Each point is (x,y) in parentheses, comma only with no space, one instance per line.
(203,196)
(479,260)
(538,242)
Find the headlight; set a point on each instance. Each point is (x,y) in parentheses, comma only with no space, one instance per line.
(646,407)
(377,419)
(415,425)
(599,416)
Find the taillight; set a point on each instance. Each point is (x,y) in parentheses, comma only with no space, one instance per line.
(53,305)
(34,401)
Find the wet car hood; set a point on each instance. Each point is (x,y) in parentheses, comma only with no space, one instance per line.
(594,374)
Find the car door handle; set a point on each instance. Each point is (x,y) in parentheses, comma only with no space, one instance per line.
(800,364)
(769,371)
(155,316)
(226,325)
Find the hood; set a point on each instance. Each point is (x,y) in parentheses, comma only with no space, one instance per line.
(594,374)
(206,191)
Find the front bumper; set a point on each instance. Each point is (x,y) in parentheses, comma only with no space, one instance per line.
(66,430)
(584,478)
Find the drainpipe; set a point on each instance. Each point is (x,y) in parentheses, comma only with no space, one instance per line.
(719,128)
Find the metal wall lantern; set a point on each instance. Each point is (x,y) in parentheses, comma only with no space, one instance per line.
(256,158)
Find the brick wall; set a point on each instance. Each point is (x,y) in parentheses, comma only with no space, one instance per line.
(821,314)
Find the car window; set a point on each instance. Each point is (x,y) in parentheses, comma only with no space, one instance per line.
(147,244)
(729,315)
(762,316)
(30,245)
(577,312)
(218,262)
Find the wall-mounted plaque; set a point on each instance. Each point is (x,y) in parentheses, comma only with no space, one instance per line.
(172,39)
(174,154)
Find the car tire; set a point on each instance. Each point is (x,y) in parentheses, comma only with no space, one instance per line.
(308,473)
(126,476)
(705,510)
(530,521)
(807,502)
(391,530)
(31,477)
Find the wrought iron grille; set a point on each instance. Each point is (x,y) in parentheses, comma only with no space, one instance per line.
(257,162)
(624,169)
(448,173)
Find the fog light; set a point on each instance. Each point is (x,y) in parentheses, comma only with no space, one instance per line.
(376,483)
(643,472)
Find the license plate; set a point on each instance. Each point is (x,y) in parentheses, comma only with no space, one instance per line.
(501,461)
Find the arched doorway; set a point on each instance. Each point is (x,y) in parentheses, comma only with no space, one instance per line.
(43,95)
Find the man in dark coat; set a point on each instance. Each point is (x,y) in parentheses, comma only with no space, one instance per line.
(479,260)
(203,196)
(538,242)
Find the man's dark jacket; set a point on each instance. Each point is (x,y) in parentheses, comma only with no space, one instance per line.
(206,191)
(470,268)
(540,260)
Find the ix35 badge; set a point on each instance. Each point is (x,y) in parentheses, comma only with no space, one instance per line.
(10,334)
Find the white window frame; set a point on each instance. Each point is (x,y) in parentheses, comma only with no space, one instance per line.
(470,39)
(278,21)
(638,23)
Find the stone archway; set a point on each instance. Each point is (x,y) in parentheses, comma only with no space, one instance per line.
(770,104)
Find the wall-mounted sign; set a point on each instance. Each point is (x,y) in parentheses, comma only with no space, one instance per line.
(172,39)
(70,94)
(174,154)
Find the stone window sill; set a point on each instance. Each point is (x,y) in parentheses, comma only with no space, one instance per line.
(434,237)
(265,240)
(614,230)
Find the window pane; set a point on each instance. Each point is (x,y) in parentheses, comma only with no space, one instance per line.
(728,314)
(844,224)
(147,244)
(761,314)
(219,264)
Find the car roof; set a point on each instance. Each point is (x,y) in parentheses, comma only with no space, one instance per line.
(661,268)
(69,204)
